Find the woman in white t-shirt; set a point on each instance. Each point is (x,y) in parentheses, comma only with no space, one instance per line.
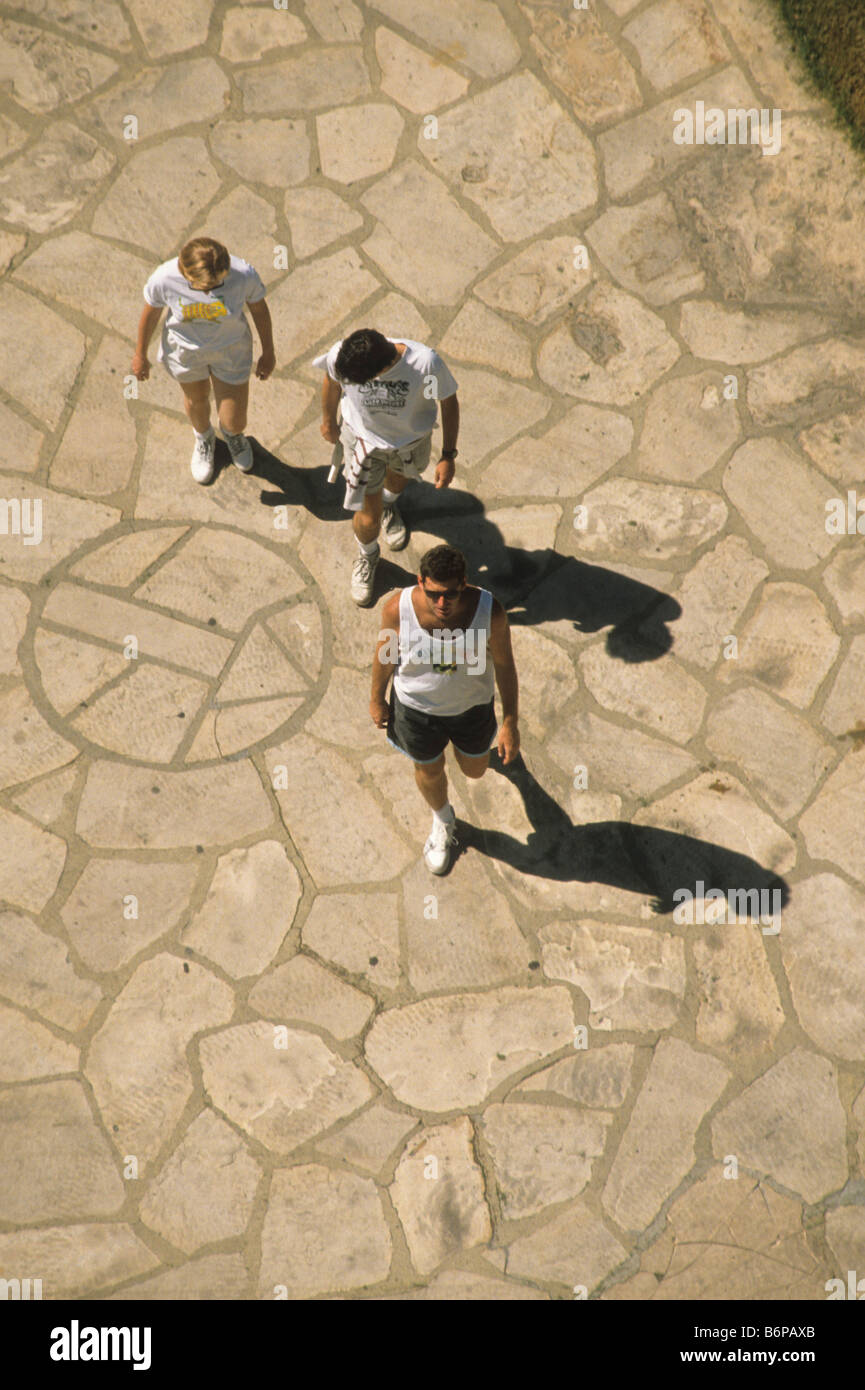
(206,337)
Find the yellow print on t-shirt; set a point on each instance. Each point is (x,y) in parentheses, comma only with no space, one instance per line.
(193,310)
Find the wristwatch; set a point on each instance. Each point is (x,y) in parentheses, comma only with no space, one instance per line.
(449,453)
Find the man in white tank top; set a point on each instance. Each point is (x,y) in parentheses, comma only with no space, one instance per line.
(446,644)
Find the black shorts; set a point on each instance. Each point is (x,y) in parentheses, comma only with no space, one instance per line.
(424,737)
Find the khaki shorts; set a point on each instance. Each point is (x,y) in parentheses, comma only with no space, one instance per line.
(231,364)
(410,460)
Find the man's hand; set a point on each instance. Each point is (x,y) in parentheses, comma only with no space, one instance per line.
(444,474)
(140,366)
(330,431)
(265,365)
(509,740)
(379,712)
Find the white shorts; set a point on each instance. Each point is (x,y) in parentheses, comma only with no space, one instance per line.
(231,364)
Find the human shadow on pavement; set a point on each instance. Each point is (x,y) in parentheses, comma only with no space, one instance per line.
(639,858)
(534,586)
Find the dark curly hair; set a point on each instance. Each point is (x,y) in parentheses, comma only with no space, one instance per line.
(362,355)
(442,563)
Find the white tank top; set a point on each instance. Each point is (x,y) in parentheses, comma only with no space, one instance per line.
(446,671)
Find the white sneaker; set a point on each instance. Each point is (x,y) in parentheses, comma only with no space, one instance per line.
(241,451)
(363,577)
(437,850)
(203,464)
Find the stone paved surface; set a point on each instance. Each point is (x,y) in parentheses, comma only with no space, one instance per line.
(249,1047)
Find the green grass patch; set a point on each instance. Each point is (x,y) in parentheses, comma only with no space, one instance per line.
(830,37)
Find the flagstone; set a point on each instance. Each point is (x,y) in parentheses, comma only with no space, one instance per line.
(279,1095)
(99,21)
(573,1248)
(29,1051)
(775,750)
(125,807)
(541,1153)
(319,78)
(12,137)
(305,1202)
(76,1260)
(49,184)
(824,965)
(794,388)
(658,1146)
(342,717)
(46,800)
(66,523)
(610,349)
(501,166)
(660,694)
(459,1285)
(675,39)
(584,61)
(790,1125)
(844,709)
(616,757)
(137,1062)
(740,1013)
(119,563)
(147,205)
(239,727)
(260,669)
(348,160)
(212,1278)
(833,823)
(788,644)
(46,71)
(249,33)
(119,906)
(358,931)
(460,947)
(470,32)
(596,1076)
(317,217)
(480,336)
(400,244)
(568,458)
(35,972)
(263,151)
(845,1236)
(844,577)
(247,225)
(759,30)
(836,446)
(501,409)
(415,80)
(71,671)
(165,32)
(28,745)
(546,676)
(714,593)
(652,520)
(745,335)
(220,574)
(299,629)
(14,611)
(49,1132)
(370,1140)
(23,443)
(644,249)
(31,864)
(337,21)
(303,303)
(143,715)
(164,98)
(205,1190)
(96,454)
(688,426)
(44,394)
(438,1193)
(445,1053)
(302,990)
(536,282)
(633,977)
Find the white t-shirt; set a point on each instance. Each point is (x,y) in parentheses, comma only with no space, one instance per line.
(203,318)
(398,406)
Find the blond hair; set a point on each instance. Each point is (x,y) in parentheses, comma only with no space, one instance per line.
(204,262)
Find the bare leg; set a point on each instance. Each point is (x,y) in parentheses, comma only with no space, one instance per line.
(472,767)
(367,522)
(232,403)
(395,482)
(196,399)
(432,783)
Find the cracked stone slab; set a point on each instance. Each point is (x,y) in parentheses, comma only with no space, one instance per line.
(460,947)
(49,1131)
(583,60)
(303,302)
(97,452)
(119,808)
(655,521)
(438,1193)
(369,1140)
(714,594)
(360,932)
(161,99)
(137,1063)
(474,35)
(77,1260)
(657,1149)
(820,950)
(633,977)
(844,710)
(790,1125)
(773,748)
(536,282)
(445,1053)
(617,758)
(564,461)
(525,174)
(28,1051)
(740,1012)
(573,1248)
(28,744)
(746,335)
(258,884)
(146,205)
(119,906)
(833,824)
(320,78)
(324,1232)
(400,246)
(302,990)
(660,694)
(279,1095)
(688,426)
(541,1153)
(48,186)
(644,249)
(31,864)
(782,501)
(788,644)
(596,1076)
(205,1190)
(609,349)
(415,80)
(316,217)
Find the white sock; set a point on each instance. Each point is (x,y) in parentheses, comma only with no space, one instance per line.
(445,814)
(368,549)
(208,433)
(227,434)
(388,497)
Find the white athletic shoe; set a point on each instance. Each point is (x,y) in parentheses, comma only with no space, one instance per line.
(437,850)
(241,451)
(363,577)
(203,464)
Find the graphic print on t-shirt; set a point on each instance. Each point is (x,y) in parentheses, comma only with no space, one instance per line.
(384,396)
(191,309)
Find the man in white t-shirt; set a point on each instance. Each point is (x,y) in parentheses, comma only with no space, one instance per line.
(206,337)
(386,390)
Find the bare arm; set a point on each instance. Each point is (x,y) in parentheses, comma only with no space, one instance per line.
(383,666)
(506,679)
(264,327)
(150,316)
(331,394)
(445,469)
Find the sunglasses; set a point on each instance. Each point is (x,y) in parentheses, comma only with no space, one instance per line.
(435,594)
